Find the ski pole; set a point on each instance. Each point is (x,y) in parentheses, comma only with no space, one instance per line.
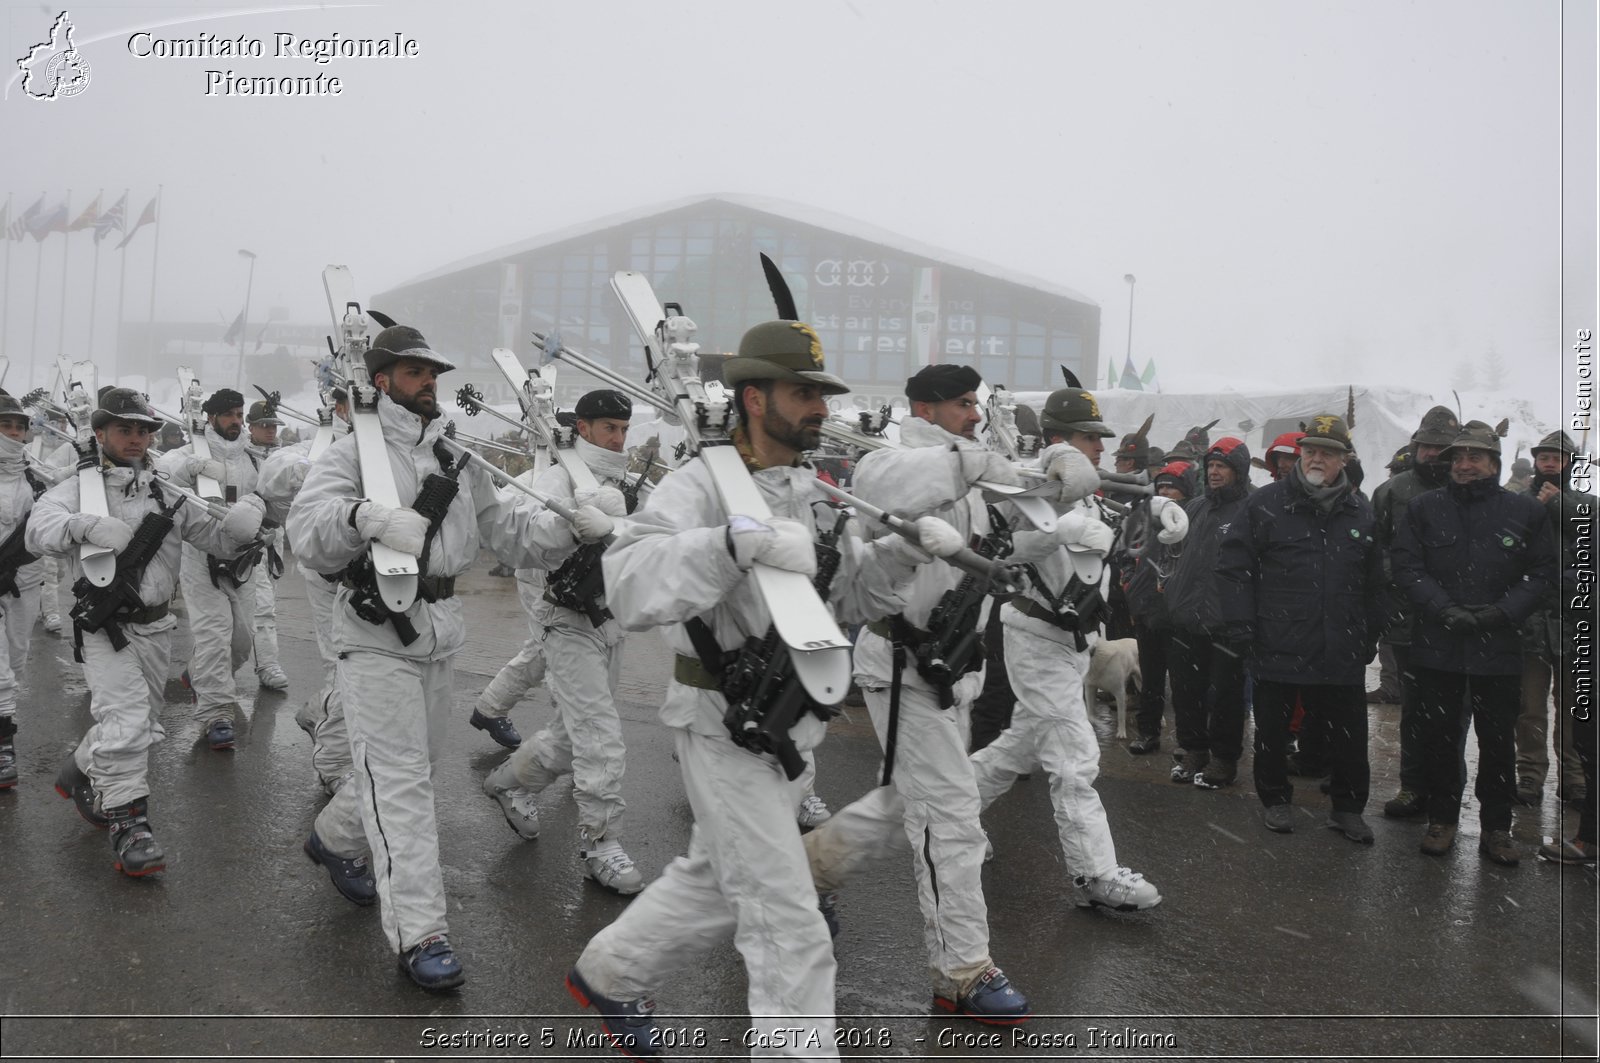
(999,574)
(559,506)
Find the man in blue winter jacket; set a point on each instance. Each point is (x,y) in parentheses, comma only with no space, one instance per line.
(1476,560)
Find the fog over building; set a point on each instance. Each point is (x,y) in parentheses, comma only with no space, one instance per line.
(883,304)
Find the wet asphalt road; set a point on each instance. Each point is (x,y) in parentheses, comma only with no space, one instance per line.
(1266,946)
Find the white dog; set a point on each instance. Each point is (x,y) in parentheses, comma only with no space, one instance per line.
(1111,665)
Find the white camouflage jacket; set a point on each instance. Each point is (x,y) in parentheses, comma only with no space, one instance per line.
(670,562)
(324,539)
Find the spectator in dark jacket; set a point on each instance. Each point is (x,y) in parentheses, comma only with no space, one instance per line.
(1546,663)
(1425,472)
(1476,561)
(1152,622)
(1299,579)
(1207,682)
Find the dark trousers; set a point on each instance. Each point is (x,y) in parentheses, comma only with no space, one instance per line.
(1581,719)
(1495,701)
(1207,695)
(1411,773)
(991,712)
(1344,708)
(1153,677)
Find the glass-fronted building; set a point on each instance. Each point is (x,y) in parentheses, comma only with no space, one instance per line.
(883,305)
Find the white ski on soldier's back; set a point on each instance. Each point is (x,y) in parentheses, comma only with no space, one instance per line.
(195,421)
(396,572)
(537,396)
(99,563)
(821,654)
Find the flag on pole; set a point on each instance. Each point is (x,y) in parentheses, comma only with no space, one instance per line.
(261,336)
(146,216)
(1148,377)
(111,220)
(87,218)
(45,222)
(234,329)
(5,222)
(1111,376)
(1130,379)
(20,226)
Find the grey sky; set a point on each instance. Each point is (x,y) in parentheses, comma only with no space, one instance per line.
(1329,191)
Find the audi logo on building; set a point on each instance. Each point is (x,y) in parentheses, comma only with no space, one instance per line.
(855,273)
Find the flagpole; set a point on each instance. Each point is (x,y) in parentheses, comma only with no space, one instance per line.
(38,270)
(66,245)
(155,251)
(94,290)
(5,299)
(122,289)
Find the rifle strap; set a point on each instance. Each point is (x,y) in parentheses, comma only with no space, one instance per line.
(712,656)
(891,736)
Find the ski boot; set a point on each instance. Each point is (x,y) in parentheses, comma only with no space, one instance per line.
(991,1000)
(499,728)
(630,1024)
(74,785)
(138,854)
(432,964)
(606,863)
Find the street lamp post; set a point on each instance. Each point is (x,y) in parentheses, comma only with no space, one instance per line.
(244,319)
(1130,279)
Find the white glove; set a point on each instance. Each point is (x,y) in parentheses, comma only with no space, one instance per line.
(1172,518)
(938,537)
(590,524)
(196,467)
(978,464)
(244,518)
(297,475)
(607,500)
(1079,531)
(109,532)
(400,529)
(779,542)
(1068,466)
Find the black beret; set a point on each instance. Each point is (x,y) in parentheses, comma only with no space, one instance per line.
(937,383)
(604,403)
(222,400)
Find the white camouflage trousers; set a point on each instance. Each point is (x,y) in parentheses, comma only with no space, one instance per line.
(126,691)
(17,615)
(930,808)
(1050,729)
(746,877)
(265,627)
(585,737)
(398,710)
(222,624)
(523,672)
(330,735)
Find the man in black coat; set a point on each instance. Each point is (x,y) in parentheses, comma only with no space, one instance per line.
(1547,664)
(1300,579)
(1207,678)
(1152,622)
(1425,472)
(1476,560)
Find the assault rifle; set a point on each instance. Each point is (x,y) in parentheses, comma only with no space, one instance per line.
(433,502)
(580,583)
(13,555)
(764,695)
(100,608)
(952,645)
